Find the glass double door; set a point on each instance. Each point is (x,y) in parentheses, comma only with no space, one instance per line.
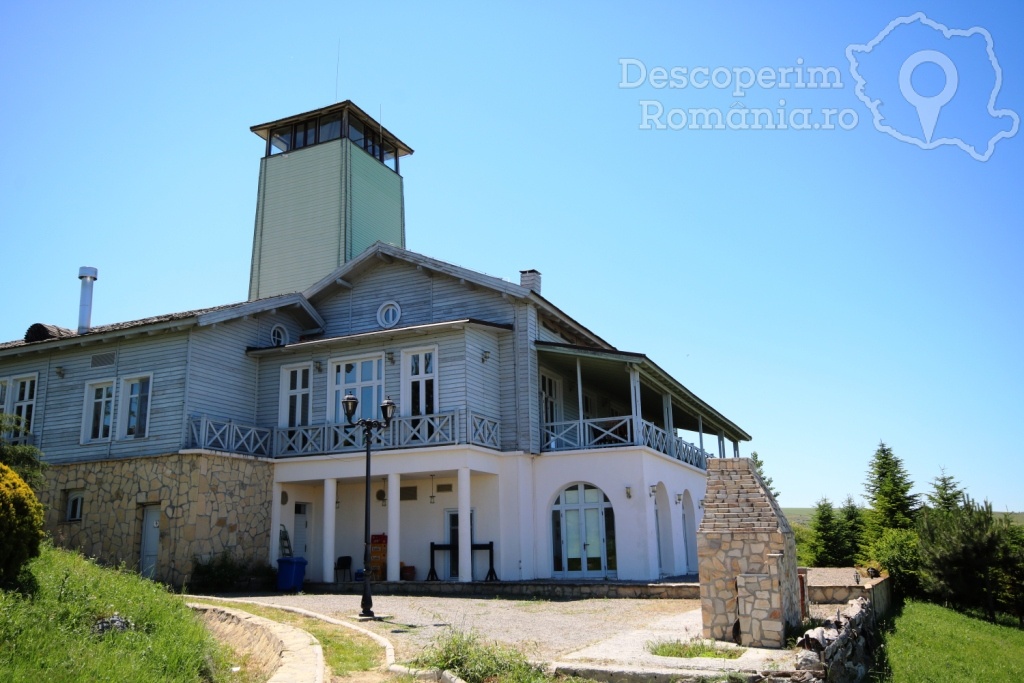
(583,534)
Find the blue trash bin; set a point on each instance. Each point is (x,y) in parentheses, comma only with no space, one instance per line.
(290,573)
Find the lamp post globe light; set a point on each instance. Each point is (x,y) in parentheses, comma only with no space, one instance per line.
(387,411)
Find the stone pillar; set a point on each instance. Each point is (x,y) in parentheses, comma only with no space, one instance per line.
(330,514)
(465,558)
(747,559)
(394,526)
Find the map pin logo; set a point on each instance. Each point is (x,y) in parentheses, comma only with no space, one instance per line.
(928,107)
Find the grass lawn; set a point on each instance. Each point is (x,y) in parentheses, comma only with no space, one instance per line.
(932,643)
(48,636)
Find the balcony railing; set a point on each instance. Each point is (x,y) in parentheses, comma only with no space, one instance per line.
(611,432)
(440,429)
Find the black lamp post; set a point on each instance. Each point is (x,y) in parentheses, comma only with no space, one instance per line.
(387,411)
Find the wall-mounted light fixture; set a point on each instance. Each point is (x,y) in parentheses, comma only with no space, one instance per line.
(629,492)
(318,366)
(679,498)
(654,489)
(60,371)
(432,497)
(484,356)
(382,495)
(390,355)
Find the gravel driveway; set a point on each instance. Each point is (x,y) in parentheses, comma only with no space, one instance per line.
(542,629)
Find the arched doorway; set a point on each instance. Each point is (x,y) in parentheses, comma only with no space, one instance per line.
(583,534)
(690,533)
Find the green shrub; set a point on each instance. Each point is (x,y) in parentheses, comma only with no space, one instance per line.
(21,525)
(694,648)
(474,661)
(896,550)
(225,573)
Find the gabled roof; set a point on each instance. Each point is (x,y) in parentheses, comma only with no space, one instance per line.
(200,317)
(379,253)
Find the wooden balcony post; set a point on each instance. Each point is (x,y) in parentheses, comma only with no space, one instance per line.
(634,396)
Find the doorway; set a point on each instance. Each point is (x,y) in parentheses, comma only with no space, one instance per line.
(299,546)
(150,540)
(452,538)
(583,534)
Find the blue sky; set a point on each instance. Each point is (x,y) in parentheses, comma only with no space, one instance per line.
(826,289)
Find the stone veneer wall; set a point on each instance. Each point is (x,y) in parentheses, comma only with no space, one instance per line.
(747,559)
(210,504)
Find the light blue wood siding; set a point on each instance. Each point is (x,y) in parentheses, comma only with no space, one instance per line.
(483,394)
(424,298)
(60,403)
(222,378)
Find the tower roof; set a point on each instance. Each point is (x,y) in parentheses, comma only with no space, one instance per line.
(263,129)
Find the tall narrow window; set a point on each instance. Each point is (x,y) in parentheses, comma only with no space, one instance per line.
(420,385)
(295,397)
(25,401)
(99,406)
(364,379)
(134,418)
(551,394)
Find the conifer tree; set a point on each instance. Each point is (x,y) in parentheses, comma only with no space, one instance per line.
(888,494)
(960,555)
(759,467)
(852,519)
(827,546)
(946,492)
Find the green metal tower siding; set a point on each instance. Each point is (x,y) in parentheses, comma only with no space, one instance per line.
(318,207)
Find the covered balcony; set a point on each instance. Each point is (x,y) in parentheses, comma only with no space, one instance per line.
(597,398)
(440,429)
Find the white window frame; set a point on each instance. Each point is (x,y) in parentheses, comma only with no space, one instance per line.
(285,393)
(556,399)
(89,410)
(407,379)
(336,390)
(70,509)
(282,332)
(14,405)
(124,402)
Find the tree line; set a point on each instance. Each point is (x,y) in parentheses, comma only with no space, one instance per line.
(947,548)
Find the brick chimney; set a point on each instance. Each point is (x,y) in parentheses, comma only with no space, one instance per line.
(530,279)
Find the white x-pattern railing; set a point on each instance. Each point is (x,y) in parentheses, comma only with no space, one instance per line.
(609,432)
(404,432)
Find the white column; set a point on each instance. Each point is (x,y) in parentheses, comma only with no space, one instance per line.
(465,537)
(330,514)
(394,526)
(275,523)
(580,440)
(634,398)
